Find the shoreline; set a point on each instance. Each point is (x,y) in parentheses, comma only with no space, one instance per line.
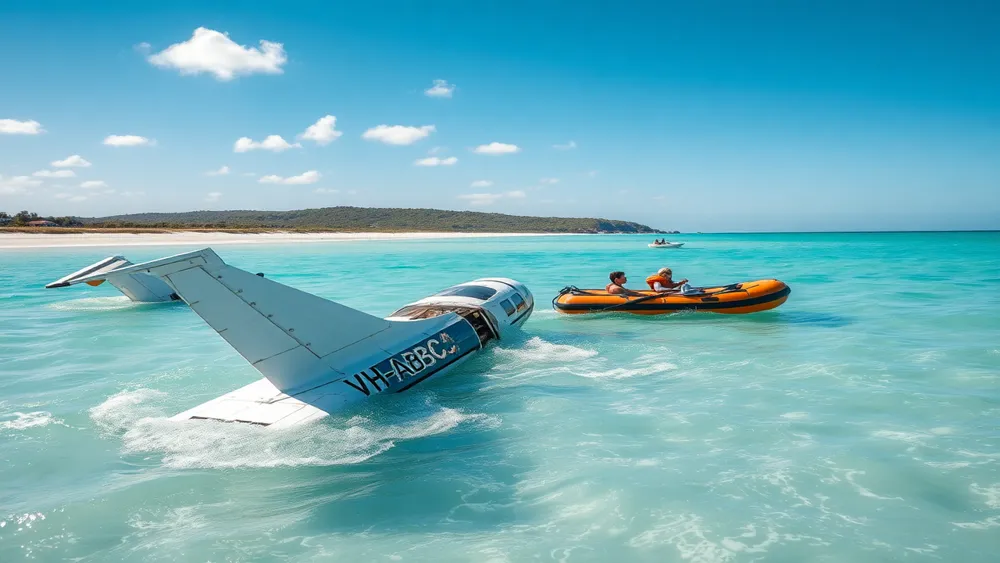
(14,241)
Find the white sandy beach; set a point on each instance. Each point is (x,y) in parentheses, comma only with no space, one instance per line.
(31,240)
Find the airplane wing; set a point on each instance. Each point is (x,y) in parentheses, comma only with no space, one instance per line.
(137,286)
(300,342)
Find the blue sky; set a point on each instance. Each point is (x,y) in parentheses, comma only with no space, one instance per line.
(759,116)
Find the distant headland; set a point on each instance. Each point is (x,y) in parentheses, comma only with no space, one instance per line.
(333,219)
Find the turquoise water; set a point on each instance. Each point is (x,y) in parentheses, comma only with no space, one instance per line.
(860,421)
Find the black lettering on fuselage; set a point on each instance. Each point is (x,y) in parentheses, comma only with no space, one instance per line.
(385,376)
(374,380)
(408,364)
(361,386)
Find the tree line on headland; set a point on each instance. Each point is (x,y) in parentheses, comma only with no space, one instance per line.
(356,219)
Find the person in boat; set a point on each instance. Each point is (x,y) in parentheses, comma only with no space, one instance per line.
(663,280)
(617,285)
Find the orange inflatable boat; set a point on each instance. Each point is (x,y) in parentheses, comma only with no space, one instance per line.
(736,299)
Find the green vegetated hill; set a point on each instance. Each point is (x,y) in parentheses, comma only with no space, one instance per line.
(371,219)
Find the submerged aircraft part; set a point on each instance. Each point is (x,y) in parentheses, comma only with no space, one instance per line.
(318,356)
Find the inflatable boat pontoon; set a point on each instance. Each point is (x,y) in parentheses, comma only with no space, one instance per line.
(735,299)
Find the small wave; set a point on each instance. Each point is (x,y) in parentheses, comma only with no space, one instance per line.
(991,522)
(218,445)
(645,365)
(97,304)
(948,464)
(992,494)
(912,438)
(795,415)
(119,411)
(536,350)
(865,492)
(686,534)
(27,420)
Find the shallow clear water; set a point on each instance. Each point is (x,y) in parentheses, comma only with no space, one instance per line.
(860,421)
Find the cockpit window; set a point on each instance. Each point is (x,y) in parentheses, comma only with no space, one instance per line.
(473,291)
(519,301)
(507,306)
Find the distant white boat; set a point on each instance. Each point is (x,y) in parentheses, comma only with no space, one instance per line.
(666,245)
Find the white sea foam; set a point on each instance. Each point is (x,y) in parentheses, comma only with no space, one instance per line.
(912,438)
(537,350)
(119,411)
(27,420)
(863,491)
(204,444)
(795,415)
(686,534)
(986,524)
(645,365)
(990,492)
(97,304)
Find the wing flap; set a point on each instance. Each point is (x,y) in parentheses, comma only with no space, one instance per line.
(257,403)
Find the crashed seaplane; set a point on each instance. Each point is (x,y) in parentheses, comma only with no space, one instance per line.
(317,356)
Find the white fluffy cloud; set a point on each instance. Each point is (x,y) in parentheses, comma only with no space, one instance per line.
(15,127)
(484,199)
(17,184)
(481,184)
(75,161)
(54,174)
(497,148)
(435,161)
(323,131)
(215,53)
(398,134)
(126,141)
(310,177)
(440,89)
(220,172)
(566,147)
(213,196)
(94,184)
(272,143)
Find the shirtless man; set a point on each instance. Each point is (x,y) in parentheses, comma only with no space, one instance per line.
(617,285)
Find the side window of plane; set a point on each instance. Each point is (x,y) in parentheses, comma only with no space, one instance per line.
(519,301)
(473,291)
(507,306)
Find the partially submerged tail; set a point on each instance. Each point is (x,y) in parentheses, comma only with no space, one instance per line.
(137,286)
(292,337)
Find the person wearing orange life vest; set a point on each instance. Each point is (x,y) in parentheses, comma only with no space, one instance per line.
(663,280)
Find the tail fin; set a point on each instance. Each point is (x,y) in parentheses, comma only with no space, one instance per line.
(138,287)
(281,331)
